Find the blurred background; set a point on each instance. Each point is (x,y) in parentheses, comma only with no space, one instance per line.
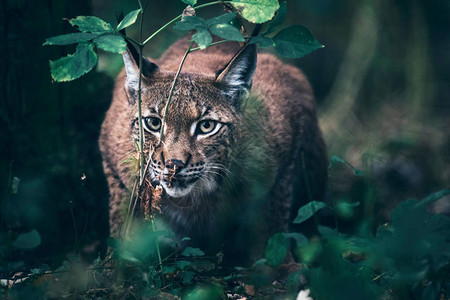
(382,85)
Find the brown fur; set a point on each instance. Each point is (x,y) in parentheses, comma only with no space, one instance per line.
(262,148)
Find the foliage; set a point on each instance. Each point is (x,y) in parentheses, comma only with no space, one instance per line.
(307,211)
(219,26)
(410,255)
(256,11)
(293,42)
(28,240)
(76,65)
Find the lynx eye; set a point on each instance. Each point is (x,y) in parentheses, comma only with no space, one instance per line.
(152,124)
(206,126)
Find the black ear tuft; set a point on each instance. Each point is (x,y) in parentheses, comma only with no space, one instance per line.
(236,76)
(131,61)
(147,66)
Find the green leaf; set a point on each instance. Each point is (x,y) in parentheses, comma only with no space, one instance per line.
(29,240)
(299,238)
(70,38)
(345,209)
(74,66)
(168,269)
(128,20)
(206,292)
(175,292)
(433,197)
(293,283)
(256,11)
(189,251)
(261,261)
(227,32)
(279,18)
(111,43)
(41,270)
(182,264)
(308,210)
(327,231)
(91,24)
(218,26)
(276,249)
(295,41)
(334,159)
(190,2)
(222,19)
(262,41)
(128,256)
(203,38)
(191,23)
(186,276)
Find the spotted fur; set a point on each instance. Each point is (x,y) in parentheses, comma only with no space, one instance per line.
(232,188)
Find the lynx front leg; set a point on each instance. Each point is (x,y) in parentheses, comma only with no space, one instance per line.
(281,198)
(118,193)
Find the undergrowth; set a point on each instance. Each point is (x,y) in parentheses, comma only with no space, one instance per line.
(407,257)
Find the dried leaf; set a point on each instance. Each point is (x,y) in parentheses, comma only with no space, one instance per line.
(188,12)
(156,201)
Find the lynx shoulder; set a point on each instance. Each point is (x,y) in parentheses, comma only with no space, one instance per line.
(242,136)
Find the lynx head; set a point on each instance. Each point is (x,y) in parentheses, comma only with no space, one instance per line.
(202,121)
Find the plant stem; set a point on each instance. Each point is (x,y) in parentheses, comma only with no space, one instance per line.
(133,204)
(141,130)
(176,19)
(162,28)
(131,40)
(140,5)
(212,44)
(208,4)
(74,227)
(133,199)
(172,88)
(158,251)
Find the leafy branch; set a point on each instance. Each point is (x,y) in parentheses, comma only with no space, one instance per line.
(294,41)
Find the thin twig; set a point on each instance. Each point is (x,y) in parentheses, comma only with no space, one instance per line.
(74,226)
(212,44)
(131,40)
(140,5)
(158,251)
(169,98)
(141,130)
(176,19)
(130,214)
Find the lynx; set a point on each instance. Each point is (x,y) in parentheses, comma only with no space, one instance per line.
(243,137)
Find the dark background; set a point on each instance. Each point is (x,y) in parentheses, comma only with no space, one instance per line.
(382,85)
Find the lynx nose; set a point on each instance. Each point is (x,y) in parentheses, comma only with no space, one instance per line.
(174,164)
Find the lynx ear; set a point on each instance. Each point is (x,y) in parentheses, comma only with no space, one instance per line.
(236,76)
(131,61)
